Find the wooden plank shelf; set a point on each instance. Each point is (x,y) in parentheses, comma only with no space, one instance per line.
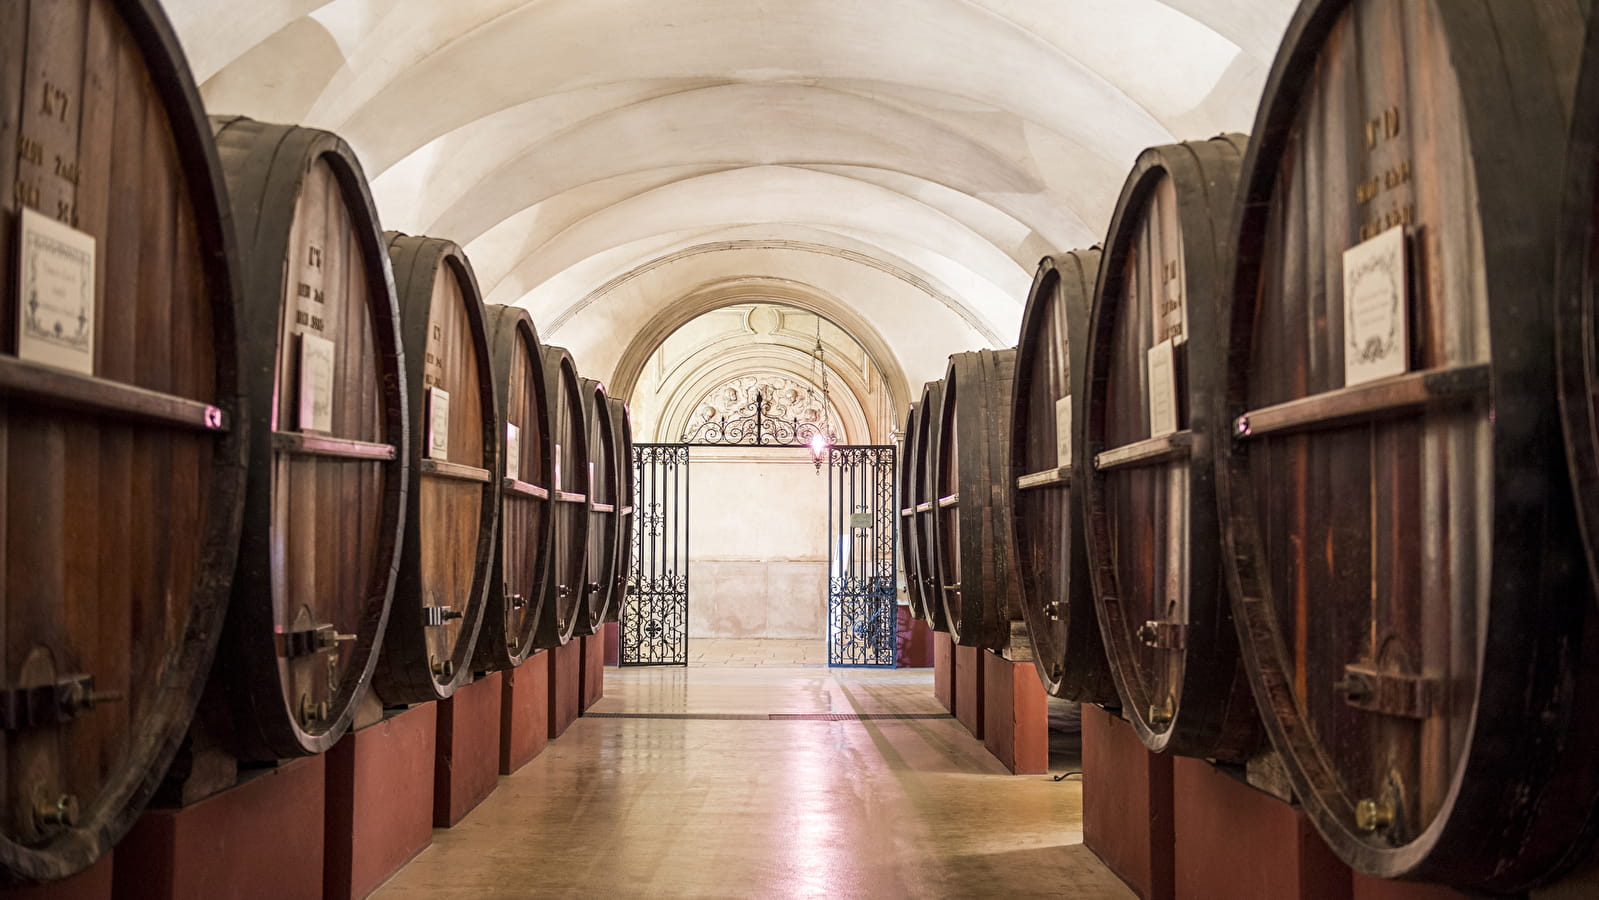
(51,386)
(526,489)
(602,507)
(1399,395)
(569,497)
(1048,478)
(338,448)
(951,500)
(1149,452)
(442,469)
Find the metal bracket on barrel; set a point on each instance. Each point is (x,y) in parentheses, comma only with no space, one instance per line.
(436,616)
(1366,687)
(1163,635)
(311,641)
(50,704)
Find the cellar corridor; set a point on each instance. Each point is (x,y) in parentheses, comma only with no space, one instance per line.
(701,791)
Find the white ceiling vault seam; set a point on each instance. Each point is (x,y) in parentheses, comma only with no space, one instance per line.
(910,159)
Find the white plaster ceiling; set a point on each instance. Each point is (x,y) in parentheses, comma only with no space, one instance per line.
(603,160)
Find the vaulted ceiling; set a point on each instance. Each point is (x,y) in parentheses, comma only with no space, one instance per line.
(619,165)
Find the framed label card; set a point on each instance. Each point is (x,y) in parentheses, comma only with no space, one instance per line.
(1162,361)
(1063,431)
(55,293)
(513,451)
(1376,327)
(316,383)
(438,424)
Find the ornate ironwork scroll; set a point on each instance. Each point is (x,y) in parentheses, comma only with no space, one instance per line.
(654,620)
(764,411)
(862,624)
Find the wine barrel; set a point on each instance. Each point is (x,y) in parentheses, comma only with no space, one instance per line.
(448,552)
(1057,599)
(1152,369)
(122,427)
(1577,312)
(525,546)
(622,426)
(904,491)
(569,488)
(975,551)
(605,508)
(925,522)
(320,344)
(1399,530)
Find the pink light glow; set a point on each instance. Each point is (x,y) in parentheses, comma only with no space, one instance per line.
(818,444)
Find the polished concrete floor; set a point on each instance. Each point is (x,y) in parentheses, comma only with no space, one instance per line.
(690,783)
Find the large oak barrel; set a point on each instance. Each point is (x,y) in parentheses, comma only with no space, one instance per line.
(904,491)
(321,354)
(925,521)
(122,432)
(525,546)
(1153,367)
(455,448)
(622,427)
(605,507)
(975,553)
(1052,560)
(1398,526)
(569,488)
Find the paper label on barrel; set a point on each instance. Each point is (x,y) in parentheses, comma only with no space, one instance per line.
(55,293)
(1376,332)
(555,479)
(513,451)
(1162,389)
(1063,431)
(438,424)
(316,383)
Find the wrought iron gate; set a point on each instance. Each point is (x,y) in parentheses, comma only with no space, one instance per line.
(862,628)
(654,620)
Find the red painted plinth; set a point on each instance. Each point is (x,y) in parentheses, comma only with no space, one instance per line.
(261,838)
(969,689)
(592,671)
(914,639)
(1015,715)
(93,883)
(524,712)
(1127,805)
(1238,842)
(613,643)
(379,801)
(944,670)
(467,769)
(566,685)
(1366,887)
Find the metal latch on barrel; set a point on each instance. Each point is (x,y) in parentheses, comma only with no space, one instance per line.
(50,704)
(434,616)
(1163,635)
(1388,693)
(311,641)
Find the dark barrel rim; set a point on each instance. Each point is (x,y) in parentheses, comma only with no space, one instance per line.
(1075,669)
(1523,642)
(925,522)
(403,673)
(496,648)
(905,463)
(268,181)
(1205,720)
(552,631)
(599,593)
(155,742)
(622,427)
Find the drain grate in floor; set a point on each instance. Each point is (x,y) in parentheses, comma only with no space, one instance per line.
(769,717)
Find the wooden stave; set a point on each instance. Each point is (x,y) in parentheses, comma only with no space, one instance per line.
(1450,850)
(560,612)
(926,522)
(1213,715)
(982,382)
(904,463)
(622,426)
(135,779)
(1070,661)
(257,722)
(498,647)
(599,580)
(404,674)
